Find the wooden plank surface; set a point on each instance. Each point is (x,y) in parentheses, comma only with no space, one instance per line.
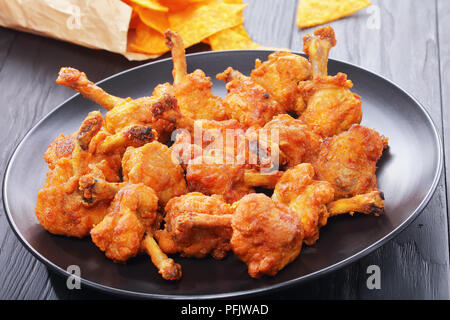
(404,49)
(415,263)
(443,11)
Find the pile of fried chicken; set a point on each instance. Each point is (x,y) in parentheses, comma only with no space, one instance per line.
(117,180)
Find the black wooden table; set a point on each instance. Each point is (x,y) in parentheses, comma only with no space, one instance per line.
(407,41)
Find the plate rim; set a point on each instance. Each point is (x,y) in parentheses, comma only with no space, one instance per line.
(242,293)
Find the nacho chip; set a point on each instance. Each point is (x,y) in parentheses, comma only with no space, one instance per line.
(230,39)
(233,1)
(199,22)
(177,5)
(148,40)
(314,12)
(154,19)
(149,4)
(134,20)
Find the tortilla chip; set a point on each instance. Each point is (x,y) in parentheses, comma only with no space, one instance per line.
(149,4)
(148,40)
(233,1)
(177,5)
(134,20)
(197,23)
(154,19)
(230,39)
(315,12)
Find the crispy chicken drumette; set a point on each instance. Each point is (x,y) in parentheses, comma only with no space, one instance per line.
(267,235)
(193,90)
(331,106)
(154,166)
(297,143)
(312,200)
(59,207)
(161,111)
(308,198)
(180,235)
(348,161)
(280,76)
(221,175)
(104,149)
(128,228)
(247,101)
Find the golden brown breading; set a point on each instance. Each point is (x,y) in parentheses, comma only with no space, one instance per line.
(193,90)
(312,200)
(308,198)
(154,166)
(180,235)
(210,175)
(247,101)
(297,143)
(132,212)
(267,235)
(280,76)
(348,161)
(331,106)
(160,111)
(61,147)
(128,228)
(60,208)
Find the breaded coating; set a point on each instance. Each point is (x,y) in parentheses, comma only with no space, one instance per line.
(154,166)
(180,235)
(349,161)
(247,101)
(267,235)
(280,76)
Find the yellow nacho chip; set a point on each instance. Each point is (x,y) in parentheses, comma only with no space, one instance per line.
(148,40)
(154,19)
(314,12)
(241,30)
(197,23)
(134,20)
(149,4)
(230,39)
(233,1)
(177,5)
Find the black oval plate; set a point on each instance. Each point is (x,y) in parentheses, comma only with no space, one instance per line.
(408,175)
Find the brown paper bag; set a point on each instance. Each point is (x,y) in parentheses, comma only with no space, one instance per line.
(99,24)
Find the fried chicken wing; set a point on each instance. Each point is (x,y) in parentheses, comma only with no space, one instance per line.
(180,235)
(312,200)
(121,234)
(368,203)
(308,198)
(61,147)
(217,175)
(247,101)
(331,106)
(280,76)
(79,82)
(267,235)
(348,161)
(193,90)
(296,142)
(160,111)
(59,207)
(154,166)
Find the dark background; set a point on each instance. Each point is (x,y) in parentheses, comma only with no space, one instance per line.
(410,47)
